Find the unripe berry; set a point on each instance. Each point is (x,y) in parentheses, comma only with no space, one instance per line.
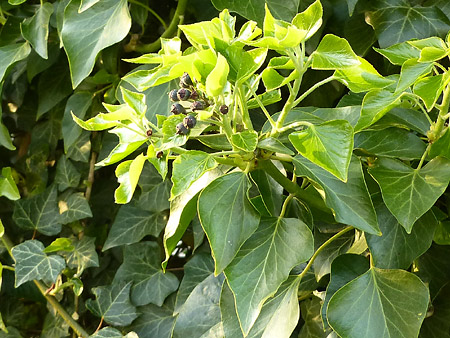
(182,129)
(197,105)
(189,121)
(223,109)
(159,154)
(183,94)
(149,133)
(177,109)
(173,95)
(186,81)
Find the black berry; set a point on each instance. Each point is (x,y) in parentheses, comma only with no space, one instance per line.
(159,154)
(223,109)
(182,129)
(186,81)
(149,132)
(183,94)
(197,105)
(177,109)
(194,95)
(173,95)
(189,121)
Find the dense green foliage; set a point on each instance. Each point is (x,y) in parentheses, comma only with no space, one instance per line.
(211,169)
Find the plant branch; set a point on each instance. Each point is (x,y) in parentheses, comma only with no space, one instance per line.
(320,249)
(443,110)
(169,32)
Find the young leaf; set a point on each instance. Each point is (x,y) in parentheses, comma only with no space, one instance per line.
(329,145)
(189,167)
(135,100)
(35,29)
(310,19)
(59,244)
(227,216)
(430,88)
(412,70)
(350,201)
(142,266)
(333,53)
(399,53)
(270,252)
(39,212)
(245,140)
(217,79)
(33,263)
(128,173)
(407,192)
(112,304)
(102,25)
(8,187)
(389,302)
(396,249)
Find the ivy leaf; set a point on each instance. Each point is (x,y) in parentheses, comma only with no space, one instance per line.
(407,192)
(438,325)
(87,33)
(271,191)
(227,216)
(8,187)
(110,332)
(442,146)
(329,145)
(310,19)
(349,201)
(313,327)
(33,263)
(217,79)
(12,53)
(196,270)
(254,9)
(412,70)
(155,191)
(39,212)
(388,302)
(264,262)
(67,176)
(132,224)
(182,211)
(83,255)
(128,173)
(275,145)
(397,21)
(78,103)
(344,269)
(112,304)
(245,141)
(154,321)
(375,105)
(86,4)
(59,244)
(54,326)
(399,53)
(189,167)
(135,100)
(142,266)
(390,142)
(201,311)
(5,138)
(35,29)
(430,88)
(73,207)
(396,249)
(333,53)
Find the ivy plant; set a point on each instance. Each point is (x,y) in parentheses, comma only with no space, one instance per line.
(196,192)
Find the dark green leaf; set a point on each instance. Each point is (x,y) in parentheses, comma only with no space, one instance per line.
(391,142)
(77,104)
(396,21)
(54,326)
(155,192)
(245,141)
(73,207)
(438,324)
(33,263)
(142,266)
(275,145)
(83,256)
(154,322)
(442,146)
(35,29)
(227,216)
(271,191)
(112,303)
(201,313)
(350,201)
(313,327)
(390,303)
(39,213)
(344,269)
(103,24)
(12,53)
(407,192)
(67,176)
(132,224)
(329,145)
(264,262)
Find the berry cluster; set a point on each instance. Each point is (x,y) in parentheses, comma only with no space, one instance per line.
(187,92)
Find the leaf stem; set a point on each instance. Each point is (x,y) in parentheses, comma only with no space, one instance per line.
(320,249)
(263,108)
(150,11)
(245,114)
(7,267)
(422,159)
(313,88)
(169,32)
(285,204)
(443,110)
(294,125)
